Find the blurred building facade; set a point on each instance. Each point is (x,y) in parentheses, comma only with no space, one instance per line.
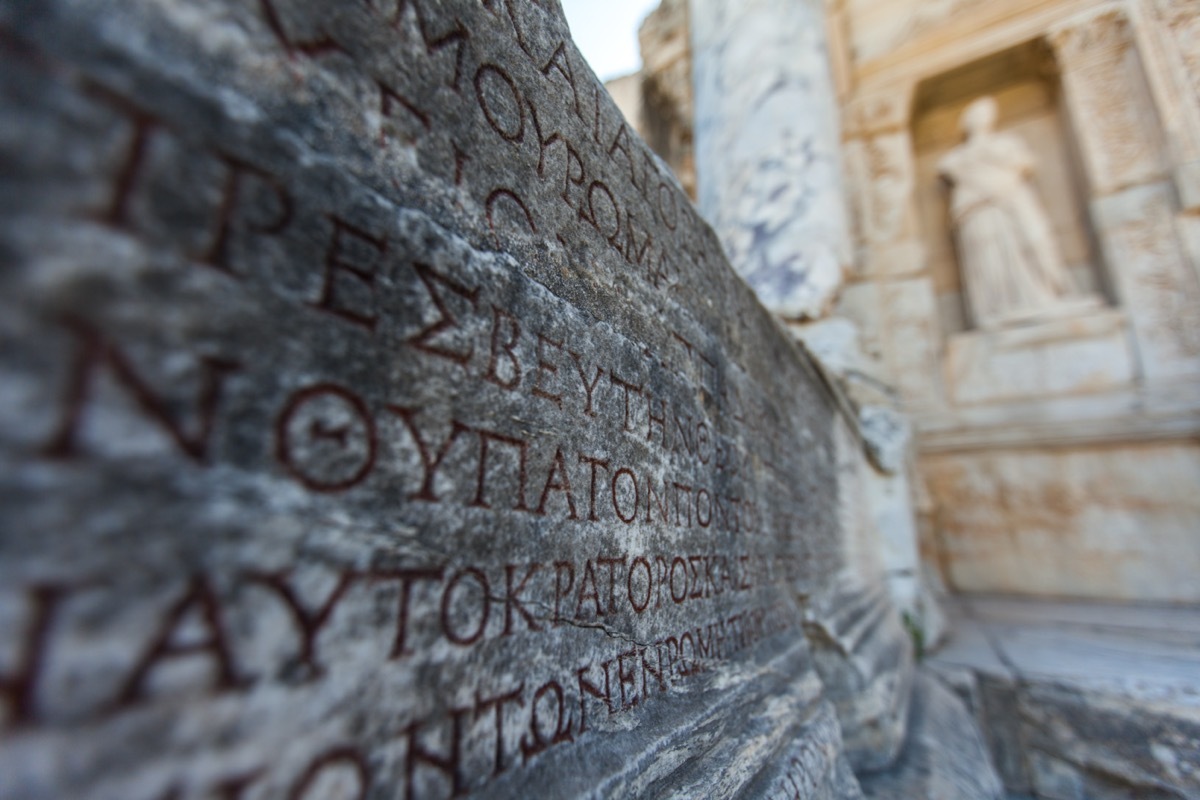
(1056,446)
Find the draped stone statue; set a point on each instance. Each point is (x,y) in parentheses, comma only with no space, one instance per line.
(1011,264)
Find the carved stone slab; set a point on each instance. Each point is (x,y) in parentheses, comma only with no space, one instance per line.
(379,420)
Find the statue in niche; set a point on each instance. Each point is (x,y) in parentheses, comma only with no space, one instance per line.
(1011,264)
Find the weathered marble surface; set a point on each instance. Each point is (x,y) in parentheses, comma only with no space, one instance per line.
(1077,355)
(944,757)
(1115,522)
(767,149)
(1081,700)
(880,462)
(769,175)
(379,419)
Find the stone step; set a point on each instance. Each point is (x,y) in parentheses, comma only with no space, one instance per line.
(1081,700)
(944,757)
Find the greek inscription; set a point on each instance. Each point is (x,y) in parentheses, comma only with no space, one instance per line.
(325,438)
(309,623)
(446,765)
(446,321)
(200,600)
(95,350)
(240,180)
(329,774)
(455,37)
(546,367)
(501,101)
(512,198)
(317,43)
(355,254)
(390,101)
(559,62)
(19,688)
(430,460)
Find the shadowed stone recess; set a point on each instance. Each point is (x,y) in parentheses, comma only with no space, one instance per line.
(944,756)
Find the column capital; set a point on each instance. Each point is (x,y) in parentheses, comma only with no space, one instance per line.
(879,110)
(1097,35)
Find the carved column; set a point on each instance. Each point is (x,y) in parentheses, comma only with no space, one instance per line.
(1134,207)
(879,156)
(1170,46)
(1170,42)
(1114,121)
(767,143)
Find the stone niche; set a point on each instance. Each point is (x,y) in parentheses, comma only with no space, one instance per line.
(1024,82)
(1082,350)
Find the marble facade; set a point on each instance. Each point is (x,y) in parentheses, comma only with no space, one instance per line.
(1107,97)
(1056,454)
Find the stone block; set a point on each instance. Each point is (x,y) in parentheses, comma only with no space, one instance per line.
(380,420)
(881,167)
(1157,286)
(890,500)
(902,259)
(1074,355)
(1187,185)
(1088,744)
(859,646)
(1114,521)
(859,303)
(944,758)
(1119,130)
(912,340)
